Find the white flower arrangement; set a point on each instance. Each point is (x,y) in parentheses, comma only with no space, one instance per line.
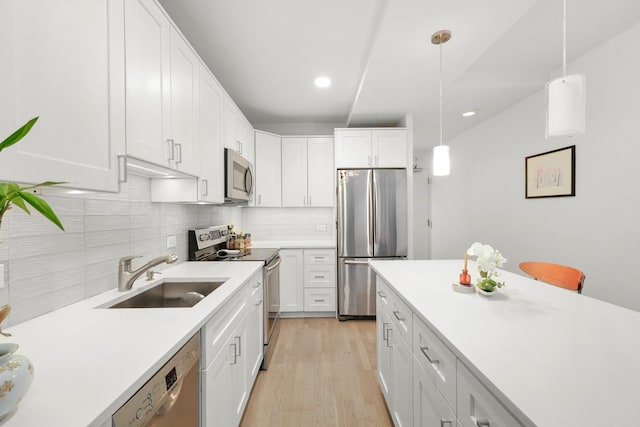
(488,261)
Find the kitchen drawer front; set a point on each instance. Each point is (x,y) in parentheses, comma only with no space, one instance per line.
(320,299)
(436,360)
(401,316)
(430,409)
(383,294)
(319,276)
(477,406)
(319,256)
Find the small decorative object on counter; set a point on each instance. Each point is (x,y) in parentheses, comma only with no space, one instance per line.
(231,241)
(488,260)
(465,277)
(16,374)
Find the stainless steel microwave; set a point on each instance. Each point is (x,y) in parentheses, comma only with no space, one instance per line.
(238,177)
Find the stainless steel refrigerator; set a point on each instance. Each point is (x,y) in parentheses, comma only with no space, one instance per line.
(372,223)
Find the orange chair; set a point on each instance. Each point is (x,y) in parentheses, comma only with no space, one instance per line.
(555,274)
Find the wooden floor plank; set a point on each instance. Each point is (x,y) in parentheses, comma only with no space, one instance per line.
(323,373)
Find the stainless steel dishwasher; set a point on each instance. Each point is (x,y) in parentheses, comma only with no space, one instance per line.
(170,397)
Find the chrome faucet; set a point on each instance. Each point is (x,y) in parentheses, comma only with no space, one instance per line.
(126,277)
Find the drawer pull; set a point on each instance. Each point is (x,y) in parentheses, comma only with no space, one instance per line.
(443,422)
(238,347)
(319,300)
(235,355)
(381,294)
(258,302)
(319,277)
(434,361)
(389,337)
(482,423)
(384,331)
(397,314)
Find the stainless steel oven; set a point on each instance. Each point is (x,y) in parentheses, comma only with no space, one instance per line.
(271,283)
(204,244)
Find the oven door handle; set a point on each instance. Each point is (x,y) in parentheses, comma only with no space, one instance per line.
(274,266)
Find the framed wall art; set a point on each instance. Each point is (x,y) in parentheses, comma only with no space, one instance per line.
(551,174)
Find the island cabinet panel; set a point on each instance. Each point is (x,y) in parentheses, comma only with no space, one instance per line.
(429,407)
(477,406)
(421,379)
(437,361)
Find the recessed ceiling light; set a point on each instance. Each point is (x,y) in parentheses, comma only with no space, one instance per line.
(323,82)
(469,113)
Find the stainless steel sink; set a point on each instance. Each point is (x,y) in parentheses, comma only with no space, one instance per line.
(170,294)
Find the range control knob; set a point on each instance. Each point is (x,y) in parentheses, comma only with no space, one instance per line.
(139,413)
(204,237)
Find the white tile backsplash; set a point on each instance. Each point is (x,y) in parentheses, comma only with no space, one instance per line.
(46,268)
(288,223)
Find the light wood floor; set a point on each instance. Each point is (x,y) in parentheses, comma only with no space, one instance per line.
(323,373)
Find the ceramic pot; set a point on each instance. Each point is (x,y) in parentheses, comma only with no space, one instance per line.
(485,293)
(16,374)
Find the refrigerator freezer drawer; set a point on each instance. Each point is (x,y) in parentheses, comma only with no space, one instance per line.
(356,287)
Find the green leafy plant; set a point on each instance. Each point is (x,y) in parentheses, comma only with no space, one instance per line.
(12,194)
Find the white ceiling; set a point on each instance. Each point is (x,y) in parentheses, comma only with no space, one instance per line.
(378,53)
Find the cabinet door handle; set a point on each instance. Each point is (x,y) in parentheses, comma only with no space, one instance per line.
(382,295)
(205,184)
(238,347)
(310,201)
(482,423)
(424,351)
(239,147)
(389,337)
(179,159)
(369,159)
(443,422)
(171,149)
(259,199)
(258,302)
(235,356)
(384,331)
(304,200)
(397,314)
(375,159)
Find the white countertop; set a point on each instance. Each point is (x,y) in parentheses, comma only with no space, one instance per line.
(88,361)
(560,358)
(295,244)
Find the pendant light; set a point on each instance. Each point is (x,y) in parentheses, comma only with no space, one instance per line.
(441,160)
(565,96)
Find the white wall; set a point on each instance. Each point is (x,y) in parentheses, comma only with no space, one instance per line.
(596,231)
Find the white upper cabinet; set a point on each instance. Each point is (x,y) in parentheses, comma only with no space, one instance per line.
(371,148)
(307,173)
(389,148)
(238,132)
(211,184)
(65,64)
(184,105)
(229,122)
(148,59)
(268,170)
(294,172)
(320,172)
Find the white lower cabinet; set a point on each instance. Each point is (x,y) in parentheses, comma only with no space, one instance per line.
(429,407)
(308,281)
(232,354)
(395,360)
(477,407)
(291,280)
(423,382)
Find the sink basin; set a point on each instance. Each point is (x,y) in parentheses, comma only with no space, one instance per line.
(170,294)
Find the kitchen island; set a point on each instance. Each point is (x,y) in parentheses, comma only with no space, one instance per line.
(549,356)
(89,360)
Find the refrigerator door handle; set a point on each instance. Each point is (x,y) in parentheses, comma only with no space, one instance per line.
(354,261)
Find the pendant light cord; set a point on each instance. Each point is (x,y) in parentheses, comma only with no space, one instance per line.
(564,38)
(441,92)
